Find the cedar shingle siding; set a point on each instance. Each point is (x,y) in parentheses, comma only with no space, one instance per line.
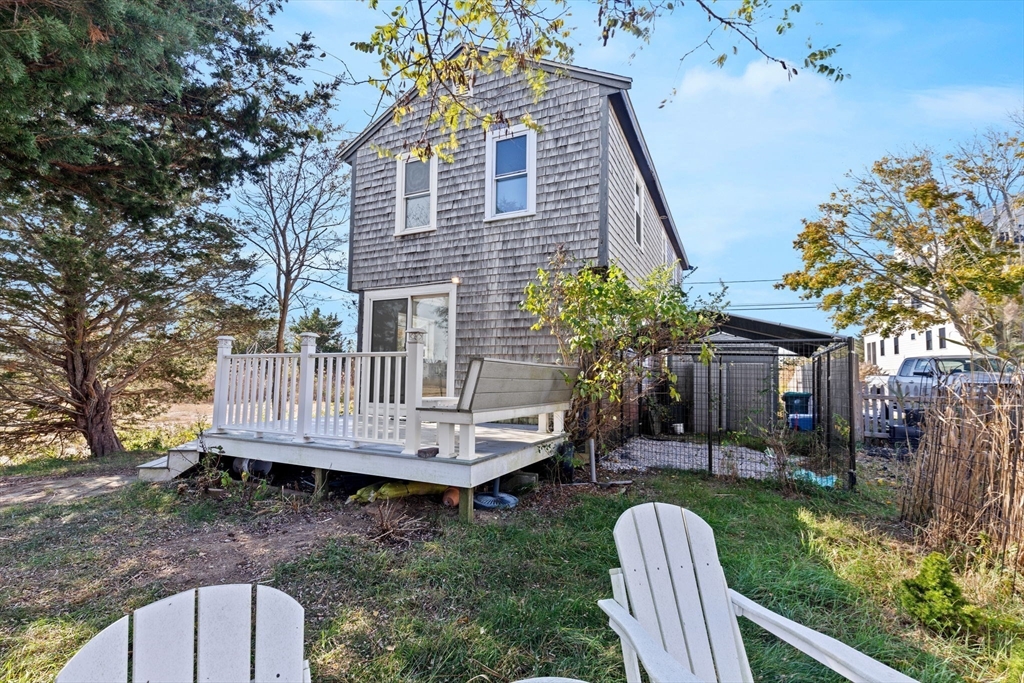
(495,260)
(622,247)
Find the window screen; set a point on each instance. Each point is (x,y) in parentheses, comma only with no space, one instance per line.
(510,175)
(417,194)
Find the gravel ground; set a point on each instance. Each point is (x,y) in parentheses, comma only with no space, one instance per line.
(640,454)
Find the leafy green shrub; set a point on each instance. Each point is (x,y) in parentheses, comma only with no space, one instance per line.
(935,599)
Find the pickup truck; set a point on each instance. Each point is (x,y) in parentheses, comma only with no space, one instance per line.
(920,376)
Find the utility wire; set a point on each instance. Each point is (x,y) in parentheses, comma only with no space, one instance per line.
(770,308)
(774,303)
(728,282)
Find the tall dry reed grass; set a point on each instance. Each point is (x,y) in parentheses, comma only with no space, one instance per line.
(966,484)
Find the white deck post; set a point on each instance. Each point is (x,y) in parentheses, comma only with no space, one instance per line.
(542,423)
(305,417)
(415,341)
(220,383)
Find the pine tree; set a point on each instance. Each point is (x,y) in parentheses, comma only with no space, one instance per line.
(121,126)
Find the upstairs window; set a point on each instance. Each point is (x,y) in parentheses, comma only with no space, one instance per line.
(417,195)
(928,340)
(511,173)
(881,346)
(895,346)
(638,211)
(942,337)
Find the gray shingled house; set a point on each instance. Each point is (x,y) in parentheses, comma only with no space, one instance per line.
(449,247)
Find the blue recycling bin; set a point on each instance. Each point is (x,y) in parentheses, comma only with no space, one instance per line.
(801,422)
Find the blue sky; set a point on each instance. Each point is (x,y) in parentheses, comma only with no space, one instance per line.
(742,153)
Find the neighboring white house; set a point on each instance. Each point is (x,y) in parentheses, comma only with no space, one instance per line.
(889,352)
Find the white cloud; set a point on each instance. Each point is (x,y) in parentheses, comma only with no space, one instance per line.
(968,105)
(760,80)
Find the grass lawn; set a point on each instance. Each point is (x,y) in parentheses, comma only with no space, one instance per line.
(510,597)
(141,444)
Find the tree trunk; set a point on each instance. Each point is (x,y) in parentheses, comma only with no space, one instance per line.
(283,305)
(282,326)
(92,404)
(96,423)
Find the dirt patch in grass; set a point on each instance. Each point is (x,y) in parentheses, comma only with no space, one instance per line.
(235,552)
(30,490)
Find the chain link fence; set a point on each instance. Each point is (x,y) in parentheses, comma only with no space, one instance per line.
(759,409)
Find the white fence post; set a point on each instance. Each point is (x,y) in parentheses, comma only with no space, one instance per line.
(220,383)
(305,417)
(415,341)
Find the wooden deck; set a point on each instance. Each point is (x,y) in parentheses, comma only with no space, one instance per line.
(500,449)
(365,413)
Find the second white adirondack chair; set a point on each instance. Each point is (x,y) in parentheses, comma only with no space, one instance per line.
(170,645)
(672,582)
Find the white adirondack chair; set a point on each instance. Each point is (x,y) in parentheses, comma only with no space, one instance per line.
(673,583)
(165,647)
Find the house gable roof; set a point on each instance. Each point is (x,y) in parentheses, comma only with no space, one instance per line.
(590,75)
(623,108)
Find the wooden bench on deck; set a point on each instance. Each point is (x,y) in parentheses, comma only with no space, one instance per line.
(501,390)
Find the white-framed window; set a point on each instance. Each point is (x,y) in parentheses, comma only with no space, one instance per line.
(511,173)
(638,210)
(416,193)
(389,313)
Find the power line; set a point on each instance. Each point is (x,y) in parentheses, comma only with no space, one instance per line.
(729,282)
(775,304)
(770,308)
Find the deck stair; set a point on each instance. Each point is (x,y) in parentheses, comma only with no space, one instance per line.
(167,467)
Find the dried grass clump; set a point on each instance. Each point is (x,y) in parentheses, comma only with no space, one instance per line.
(394,527)
(967,482)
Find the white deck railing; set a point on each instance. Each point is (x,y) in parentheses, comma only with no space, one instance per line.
(356,397)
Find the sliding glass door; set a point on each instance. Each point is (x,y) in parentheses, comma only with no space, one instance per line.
(429,309)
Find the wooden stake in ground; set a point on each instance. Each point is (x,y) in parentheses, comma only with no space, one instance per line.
(466,504)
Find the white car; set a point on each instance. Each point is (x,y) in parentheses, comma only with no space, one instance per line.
(922,375)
